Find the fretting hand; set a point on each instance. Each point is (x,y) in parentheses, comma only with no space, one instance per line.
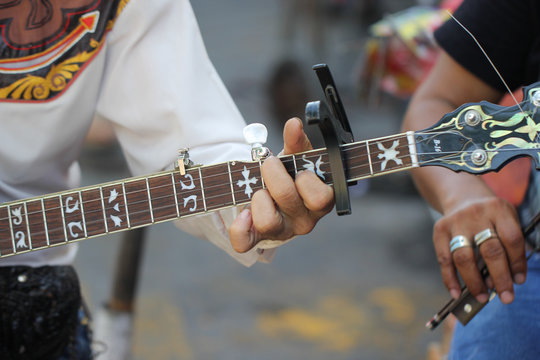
(287,207)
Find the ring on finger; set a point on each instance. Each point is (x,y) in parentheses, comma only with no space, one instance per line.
(458,242)
(484,235)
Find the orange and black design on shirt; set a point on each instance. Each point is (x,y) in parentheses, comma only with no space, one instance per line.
(45,44)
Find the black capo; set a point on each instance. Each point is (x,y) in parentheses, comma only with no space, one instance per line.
(336,130)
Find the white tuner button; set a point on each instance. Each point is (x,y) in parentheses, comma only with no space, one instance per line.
(255,134)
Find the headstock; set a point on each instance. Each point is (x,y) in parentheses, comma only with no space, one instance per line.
(481,137)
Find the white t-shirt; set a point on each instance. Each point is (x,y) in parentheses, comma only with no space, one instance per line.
(150,76)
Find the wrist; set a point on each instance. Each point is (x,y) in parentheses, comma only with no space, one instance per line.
(471,192)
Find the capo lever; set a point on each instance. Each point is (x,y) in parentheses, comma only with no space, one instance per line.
(336,130)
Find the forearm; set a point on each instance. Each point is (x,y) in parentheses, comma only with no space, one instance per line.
(448,86)
(441,187)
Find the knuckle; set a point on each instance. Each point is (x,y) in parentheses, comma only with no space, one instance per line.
(285,194)
(518,265)
(270,226)
(444,260)
(440,226)
(513,241)
(462,258)
(320,201)
(475,288)
(492,250)
(303,225)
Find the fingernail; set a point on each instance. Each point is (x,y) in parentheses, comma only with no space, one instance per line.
(506,297)
(483,298)
(519,278)
(454,293)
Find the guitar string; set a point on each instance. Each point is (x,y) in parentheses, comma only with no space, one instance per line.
(142,191)
(361,144)
(457,155)
(432,131)
(149,200)
(100,221)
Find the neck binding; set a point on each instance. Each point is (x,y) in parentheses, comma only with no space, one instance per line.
(78,214)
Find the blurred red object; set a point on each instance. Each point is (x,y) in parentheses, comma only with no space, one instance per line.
(401,50)
(510,183)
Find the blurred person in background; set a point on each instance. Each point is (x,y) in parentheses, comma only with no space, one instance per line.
(508,327)
(142,66)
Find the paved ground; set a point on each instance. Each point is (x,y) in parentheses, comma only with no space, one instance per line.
(359,287)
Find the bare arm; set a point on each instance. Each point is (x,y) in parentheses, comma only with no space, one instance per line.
(468,206)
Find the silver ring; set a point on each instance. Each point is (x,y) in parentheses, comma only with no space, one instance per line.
(458,242)
(483,236)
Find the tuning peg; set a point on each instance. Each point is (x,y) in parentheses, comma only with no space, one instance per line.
(255,135)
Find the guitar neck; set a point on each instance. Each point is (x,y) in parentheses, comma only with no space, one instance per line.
(73,215)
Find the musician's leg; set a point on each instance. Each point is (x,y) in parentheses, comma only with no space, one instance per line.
(504,331)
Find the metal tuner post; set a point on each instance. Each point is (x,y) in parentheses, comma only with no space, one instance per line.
(183,162)
(336,131)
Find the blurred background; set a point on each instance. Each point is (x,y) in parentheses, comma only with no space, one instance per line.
(359,286)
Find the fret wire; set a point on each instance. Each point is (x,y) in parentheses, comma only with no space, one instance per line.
(262,179)
(294,163)
(11,228)
(149,201)
(63,217)
(102,197)
(126,204)
(140,212)
(359,144)
(202,189)
(103,210)
(175,195)
(369,157)
(204,199)
(231,182)
(27,226)
(45,221)
(355,146)
(156,187)
(346,148)
(83,217)
(135,213)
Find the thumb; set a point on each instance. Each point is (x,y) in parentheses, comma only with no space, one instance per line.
(294,138)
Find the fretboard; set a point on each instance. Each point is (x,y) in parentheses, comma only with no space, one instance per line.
(73,215)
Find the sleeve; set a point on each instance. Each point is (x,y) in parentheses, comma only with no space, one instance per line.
(503,28)
(161,93)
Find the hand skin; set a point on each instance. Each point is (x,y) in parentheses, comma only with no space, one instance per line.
(287,207)
(467,204)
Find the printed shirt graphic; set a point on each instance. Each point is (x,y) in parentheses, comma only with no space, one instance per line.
(45,44)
